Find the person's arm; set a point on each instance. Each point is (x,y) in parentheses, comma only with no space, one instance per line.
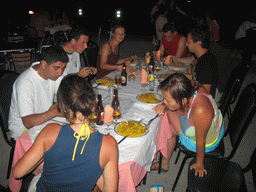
(160,109)
(202,115)
(161,48)
(104,57)
(207,87)
(184,60)
(32,120)
(109,156)
(127,60)
(181,47)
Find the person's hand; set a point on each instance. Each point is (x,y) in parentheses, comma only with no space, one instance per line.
(160,109)
(54,108)
(94,70)
(199,169)
(84,72)
(174,59)
(127,63)
(134,57)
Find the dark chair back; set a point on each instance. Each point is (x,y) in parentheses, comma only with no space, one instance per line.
(251,167)
(7,78)
(222,175)
(90,54)
(233,87)
(241,117)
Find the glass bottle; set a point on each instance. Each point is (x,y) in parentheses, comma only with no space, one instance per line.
(116,106)
(115,101)
(100,111)
(151,66)
(124,75)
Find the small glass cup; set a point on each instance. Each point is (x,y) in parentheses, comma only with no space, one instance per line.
(118,81)
(92,119)
(117,113)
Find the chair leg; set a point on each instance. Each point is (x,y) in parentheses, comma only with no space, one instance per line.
(10,163)
(160,163)
(178,155)
(180,170)
(144,180)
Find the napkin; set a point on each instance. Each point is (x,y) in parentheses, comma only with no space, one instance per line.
(108,114)
(144,77)
(168,60)
(158,54)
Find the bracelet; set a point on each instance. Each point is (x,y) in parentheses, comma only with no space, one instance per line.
(43,116)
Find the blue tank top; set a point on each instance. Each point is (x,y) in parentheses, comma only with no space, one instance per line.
(60,173)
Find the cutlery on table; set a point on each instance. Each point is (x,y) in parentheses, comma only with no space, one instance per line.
(150,121)
(122,140)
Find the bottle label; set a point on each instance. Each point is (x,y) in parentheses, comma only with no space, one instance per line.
(123,79)
(150,68)
(101,116)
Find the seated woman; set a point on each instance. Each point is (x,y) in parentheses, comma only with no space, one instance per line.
(193,116)
(108,58)
(75,156)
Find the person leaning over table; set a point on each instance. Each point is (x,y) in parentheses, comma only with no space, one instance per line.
(76,44)
(206,67)
(108,58)
(33,92)
(193,116)
(174,43)
(75,156)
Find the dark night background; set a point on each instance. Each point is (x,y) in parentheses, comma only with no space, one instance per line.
(229,14)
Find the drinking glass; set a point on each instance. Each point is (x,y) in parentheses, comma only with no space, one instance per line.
(118,81)
(92,119)
(143,87)
(157,66)
(116,113)
(108,128)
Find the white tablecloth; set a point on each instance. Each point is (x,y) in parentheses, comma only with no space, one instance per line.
(141,149)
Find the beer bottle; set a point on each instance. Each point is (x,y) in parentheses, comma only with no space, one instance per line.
(165,53)
(100,111)
(115,101)
(124,75)
(151,66)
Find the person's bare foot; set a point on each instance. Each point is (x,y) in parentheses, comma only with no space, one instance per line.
(164,167)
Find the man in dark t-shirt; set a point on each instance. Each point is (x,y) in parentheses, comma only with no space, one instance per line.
(206,70)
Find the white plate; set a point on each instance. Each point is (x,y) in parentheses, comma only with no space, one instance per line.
(158,96)
(128,136)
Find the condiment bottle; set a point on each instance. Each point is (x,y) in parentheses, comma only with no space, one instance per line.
(100,111)
(124,75)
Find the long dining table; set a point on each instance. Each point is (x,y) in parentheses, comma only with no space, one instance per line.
(135,154)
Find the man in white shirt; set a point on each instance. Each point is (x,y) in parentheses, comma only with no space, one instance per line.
(76,44)
(33,92)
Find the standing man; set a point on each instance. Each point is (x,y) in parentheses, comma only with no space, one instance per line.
(76,44)
(172,43)
(33,92)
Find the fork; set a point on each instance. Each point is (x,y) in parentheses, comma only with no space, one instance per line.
(150,121)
